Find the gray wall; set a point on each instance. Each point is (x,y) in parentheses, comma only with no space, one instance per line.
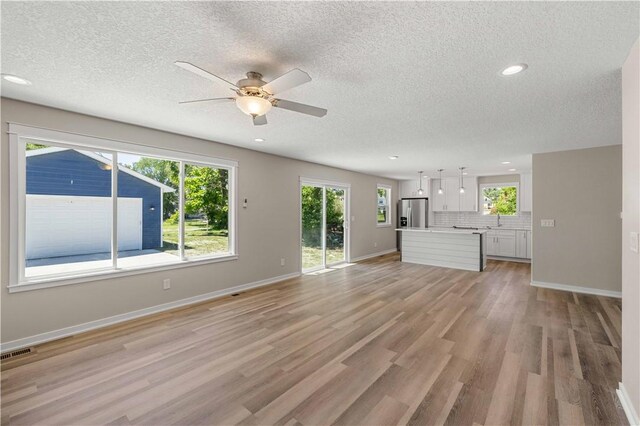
(499,179)
(268,228)
(631,223)
(582,191)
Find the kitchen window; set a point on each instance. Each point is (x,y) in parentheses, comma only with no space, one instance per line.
(87,208)
(383,208)
(499,199)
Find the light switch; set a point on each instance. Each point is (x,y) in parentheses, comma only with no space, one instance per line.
(547,223)
(633,241)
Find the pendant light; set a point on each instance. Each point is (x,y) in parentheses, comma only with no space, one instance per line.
(461,180)
(440,190)
(420,191)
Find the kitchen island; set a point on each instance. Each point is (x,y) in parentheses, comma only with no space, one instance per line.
(449,248)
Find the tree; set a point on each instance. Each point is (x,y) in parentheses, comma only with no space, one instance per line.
(32,146)
(502,200)
(207,192)
(312,214)
(163,171)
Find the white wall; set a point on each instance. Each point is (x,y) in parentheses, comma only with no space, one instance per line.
(631,223)
(268,228)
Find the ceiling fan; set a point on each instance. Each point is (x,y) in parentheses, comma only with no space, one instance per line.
(255,97)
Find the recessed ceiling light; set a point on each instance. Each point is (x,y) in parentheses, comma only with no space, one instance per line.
(258,140)
(393,157)
(506,162)
(514,69)
(465,173)
(425,177)
(17,80)
(512,170)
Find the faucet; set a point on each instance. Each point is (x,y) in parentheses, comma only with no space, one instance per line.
(499,224)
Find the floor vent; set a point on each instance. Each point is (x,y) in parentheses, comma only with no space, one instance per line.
(235,294)
(15,353)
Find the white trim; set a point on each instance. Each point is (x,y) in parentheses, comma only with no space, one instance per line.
(627,405)
(323,182)
(578,289)
(114,214)
(96,275)
(104,322)
(369,256)
(92,142)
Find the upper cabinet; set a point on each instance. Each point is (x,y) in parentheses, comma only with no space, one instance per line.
(526,193)
(451,200)
(469,200)
(409,188)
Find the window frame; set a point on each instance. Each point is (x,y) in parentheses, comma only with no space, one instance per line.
(20,135)
(389,221)
(498,185)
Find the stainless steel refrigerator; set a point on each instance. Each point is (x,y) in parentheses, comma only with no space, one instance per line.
(412,213)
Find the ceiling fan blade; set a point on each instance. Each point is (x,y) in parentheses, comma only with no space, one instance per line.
(207,100)
(260,120)
(302,108)
(287,81)
(206,74)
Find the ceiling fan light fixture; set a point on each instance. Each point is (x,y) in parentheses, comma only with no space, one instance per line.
(253,105)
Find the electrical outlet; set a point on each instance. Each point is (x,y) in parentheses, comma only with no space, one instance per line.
(375,244)
(282,261)
(166,284)
(548,223)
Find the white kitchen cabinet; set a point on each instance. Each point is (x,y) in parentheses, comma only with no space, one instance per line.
(451,200)
(452,195)
(492,244)
(501,243)
(469,200)
(409,188)
(521,244)
(529,250)
(526,193)
(438,201)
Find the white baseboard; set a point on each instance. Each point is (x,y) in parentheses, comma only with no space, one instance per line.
(104,322)
(627,406)
(369,256)
(578,289)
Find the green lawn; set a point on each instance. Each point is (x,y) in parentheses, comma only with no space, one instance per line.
(199,238)
(312,256)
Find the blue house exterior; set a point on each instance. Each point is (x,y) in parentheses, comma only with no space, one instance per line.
(73,173)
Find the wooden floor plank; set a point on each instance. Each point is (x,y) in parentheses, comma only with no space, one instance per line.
(377,342)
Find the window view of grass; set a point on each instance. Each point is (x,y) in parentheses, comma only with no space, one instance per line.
(200,238)
(500,200)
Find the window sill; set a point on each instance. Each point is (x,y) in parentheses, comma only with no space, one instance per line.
(384,225)
(48,282)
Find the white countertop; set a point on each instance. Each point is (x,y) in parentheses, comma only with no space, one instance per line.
(444,230)
(484,228)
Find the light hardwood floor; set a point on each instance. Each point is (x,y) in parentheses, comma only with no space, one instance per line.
(380,342)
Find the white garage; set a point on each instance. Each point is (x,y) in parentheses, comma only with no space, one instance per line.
(60,225)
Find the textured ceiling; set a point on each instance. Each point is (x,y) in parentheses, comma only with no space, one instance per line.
(418,80)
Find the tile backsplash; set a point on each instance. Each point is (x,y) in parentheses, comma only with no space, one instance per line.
(523,220)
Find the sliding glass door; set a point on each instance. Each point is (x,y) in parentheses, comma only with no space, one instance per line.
(324,231)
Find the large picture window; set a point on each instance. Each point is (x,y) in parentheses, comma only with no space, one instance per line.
(499,199)
(89,207)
